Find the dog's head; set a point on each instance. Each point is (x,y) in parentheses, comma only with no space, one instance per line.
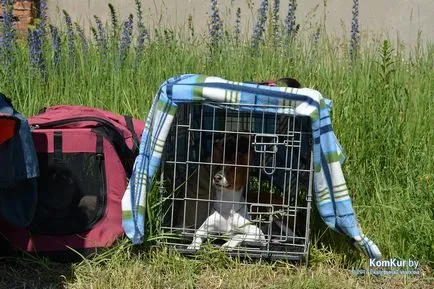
(287,81)
(233,154)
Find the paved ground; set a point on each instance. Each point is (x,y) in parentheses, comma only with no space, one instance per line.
(392,17)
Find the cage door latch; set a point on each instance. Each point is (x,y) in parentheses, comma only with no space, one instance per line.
(266,144)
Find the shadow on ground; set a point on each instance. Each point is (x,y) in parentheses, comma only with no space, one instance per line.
(33,273)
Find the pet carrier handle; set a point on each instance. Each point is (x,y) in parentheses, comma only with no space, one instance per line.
(130,127)
(261,146)
(273,166)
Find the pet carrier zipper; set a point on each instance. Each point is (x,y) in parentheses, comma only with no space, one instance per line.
(103,206)
(71,120)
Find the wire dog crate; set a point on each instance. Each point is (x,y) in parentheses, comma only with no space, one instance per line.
(275,197)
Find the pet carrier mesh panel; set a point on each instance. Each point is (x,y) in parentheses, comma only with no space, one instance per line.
(275,198)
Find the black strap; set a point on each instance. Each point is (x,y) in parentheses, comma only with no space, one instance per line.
(124,153)
(130,126)
(58,146)
(99,144)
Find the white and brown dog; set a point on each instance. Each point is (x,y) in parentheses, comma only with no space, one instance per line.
(229,215)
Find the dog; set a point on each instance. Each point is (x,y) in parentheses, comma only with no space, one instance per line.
(229,207)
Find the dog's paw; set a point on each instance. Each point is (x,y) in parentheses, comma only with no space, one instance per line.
(226,247)
(193,246)
(231,244)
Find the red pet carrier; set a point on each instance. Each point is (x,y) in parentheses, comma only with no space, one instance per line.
(85,159)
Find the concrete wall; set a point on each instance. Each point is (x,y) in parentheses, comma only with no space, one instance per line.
(377,17)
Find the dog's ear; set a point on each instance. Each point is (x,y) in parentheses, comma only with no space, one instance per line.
(290,82)
(286,81)
(248,150)
(246,158)
(217,154)
(240,143)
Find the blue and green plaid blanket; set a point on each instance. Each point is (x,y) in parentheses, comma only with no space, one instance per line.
(330,190)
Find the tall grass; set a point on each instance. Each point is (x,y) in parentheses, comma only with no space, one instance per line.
(382,115)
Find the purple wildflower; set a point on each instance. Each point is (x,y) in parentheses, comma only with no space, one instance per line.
(143,32)
(139,13)
(94,34)
(143,35)
(169,35)
(355,36)
(259,30)
(215,28)
(290,25)
(115,22)
(43,8)
(102,38)
(9,36)
(190,25)
(140,46)
(276,18)
(82,37)
(35,49)
(100,26)
(69,35)
(56,44)
(140,23)
(237,25)
(31,42)
(126,38)
(317,36)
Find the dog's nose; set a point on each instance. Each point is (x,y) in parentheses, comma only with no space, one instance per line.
(218,178)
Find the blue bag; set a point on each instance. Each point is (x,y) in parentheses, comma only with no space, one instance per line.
(18,166)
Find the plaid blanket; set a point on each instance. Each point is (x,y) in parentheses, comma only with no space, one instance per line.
(330,190)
